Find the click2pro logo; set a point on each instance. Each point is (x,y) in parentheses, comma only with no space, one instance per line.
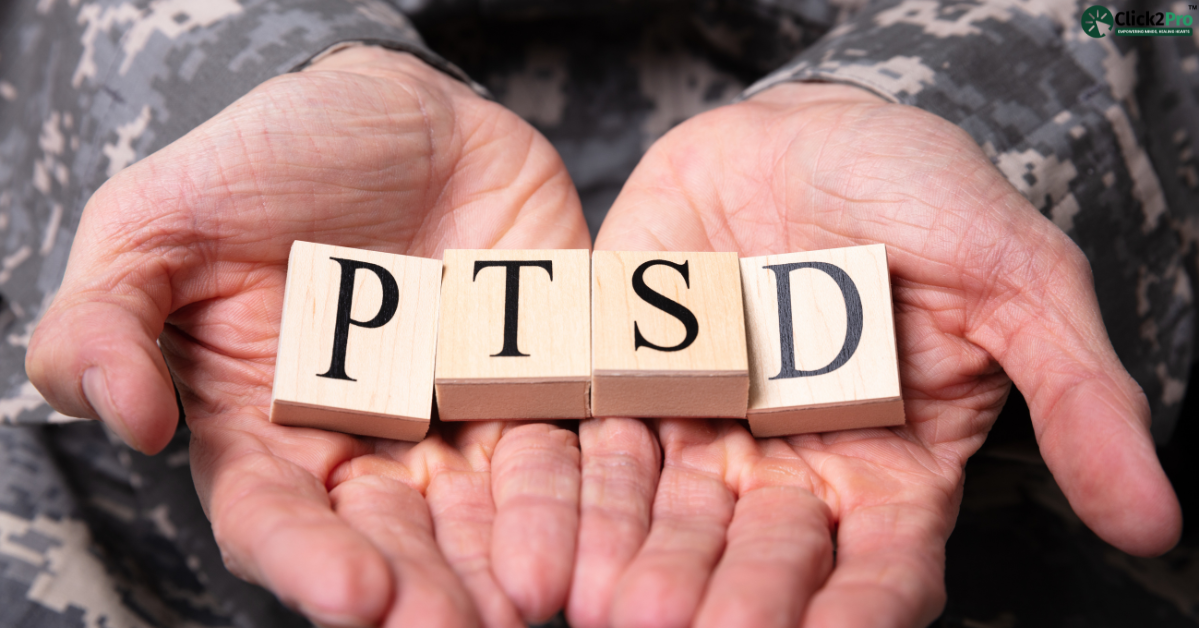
(1098,21)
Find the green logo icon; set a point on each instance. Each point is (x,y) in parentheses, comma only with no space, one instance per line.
(1096,21)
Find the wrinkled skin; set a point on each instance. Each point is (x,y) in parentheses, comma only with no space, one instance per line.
(678,521)
(737,531)
(189,247)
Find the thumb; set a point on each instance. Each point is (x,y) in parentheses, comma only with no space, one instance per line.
(1091,418)
(94,354)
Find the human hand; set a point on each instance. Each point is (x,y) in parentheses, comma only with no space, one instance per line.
(742,531)
(186,251)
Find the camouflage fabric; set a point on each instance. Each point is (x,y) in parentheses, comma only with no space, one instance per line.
(95,534)
(1099,134)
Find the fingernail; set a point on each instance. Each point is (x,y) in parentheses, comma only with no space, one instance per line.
(95,388)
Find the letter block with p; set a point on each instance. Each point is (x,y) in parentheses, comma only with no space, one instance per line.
(514,337)
(668,338)
(357,341)
(822,342)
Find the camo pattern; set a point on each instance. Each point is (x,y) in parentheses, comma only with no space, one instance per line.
(1099,134)
(93,534)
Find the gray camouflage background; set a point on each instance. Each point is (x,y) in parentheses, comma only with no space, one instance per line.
(1099,134)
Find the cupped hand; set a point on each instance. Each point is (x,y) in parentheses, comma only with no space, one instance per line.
(184,256)
(849,528)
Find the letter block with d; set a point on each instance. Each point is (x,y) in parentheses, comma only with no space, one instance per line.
(356,343)
(514,336)
(668,338)
(822,342)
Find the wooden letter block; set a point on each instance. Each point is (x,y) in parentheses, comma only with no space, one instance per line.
(822,342)
(514,337)
(356,345)
(668,338)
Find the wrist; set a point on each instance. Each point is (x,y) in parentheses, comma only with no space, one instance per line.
(809,93)
(379,62)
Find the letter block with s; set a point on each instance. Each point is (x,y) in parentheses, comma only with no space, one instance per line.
(514,335)
(822,342)
(668,337)
(357,342)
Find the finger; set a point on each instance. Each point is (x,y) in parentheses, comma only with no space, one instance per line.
(778,552)
(890,569)
(94,355)
(276,527)
(621,461)
(692,509)
(1042,322)
(460,501)
(535,481)
(395,519)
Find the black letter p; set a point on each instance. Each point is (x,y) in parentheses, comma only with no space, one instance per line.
(341,329)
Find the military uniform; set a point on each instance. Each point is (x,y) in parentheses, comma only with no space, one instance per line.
(1099,134)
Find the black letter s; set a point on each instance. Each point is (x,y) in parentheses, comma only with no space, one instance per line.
(685,316)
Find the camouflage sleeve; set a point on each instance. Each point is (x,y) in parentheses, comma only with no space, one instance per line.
(1098,133)
(88,88)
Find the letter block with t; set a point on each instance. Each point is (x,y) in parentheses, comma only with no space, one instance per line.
(357,340)
(822,341)
(668,338)
(514,336)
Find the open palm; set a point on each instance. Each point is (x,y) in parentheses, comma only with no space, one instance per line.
(184,255)
(742,531)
